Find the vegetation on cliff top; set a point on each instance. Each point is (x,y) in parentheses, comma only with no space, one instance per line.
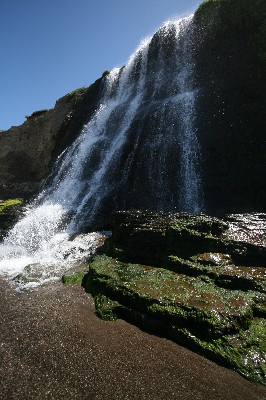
(8,203)
(76,93)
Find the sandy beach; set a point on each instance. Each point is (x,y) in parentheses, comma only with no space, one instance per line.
(54,347)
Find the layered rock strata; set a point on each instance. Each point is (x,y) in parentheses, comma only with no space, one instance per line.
(198,280)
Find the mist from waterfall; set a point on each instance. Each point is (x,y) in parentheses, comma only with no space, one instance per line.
(139,150)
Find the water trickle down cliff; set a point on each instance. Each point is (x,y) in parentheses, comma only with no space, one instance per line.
(139,150)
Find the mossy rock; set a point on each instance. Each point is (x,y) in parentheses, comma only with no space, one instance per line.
(173,297)
(244,352)
(105,73)
(193,311)
(227,275)
(76,93)
(197,234)
(36,114)
(179,275)
(10,211)
(4,204)
(73,279)
(236,15)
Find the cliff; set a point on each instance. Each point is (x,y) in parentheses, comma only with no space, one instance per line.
(231,79)
(27,152)
(229,52)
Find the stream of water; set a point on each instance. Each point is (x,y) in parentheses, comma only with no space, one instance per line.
(139,150)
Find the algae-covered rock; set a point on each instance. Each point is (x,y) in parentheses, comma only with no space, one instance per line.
(176,298)
(191,278)
(75,278)
(10,211)
(214,321)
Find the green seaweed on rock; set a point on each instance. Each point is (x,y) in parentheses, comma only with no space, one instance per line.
(193,311)
(4,204)
(73,279)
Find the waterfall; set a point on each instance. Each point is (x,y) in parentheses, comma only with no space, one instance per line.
(139,150)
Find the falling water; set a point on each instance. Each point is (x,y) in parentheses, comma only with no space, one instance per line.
(139,150)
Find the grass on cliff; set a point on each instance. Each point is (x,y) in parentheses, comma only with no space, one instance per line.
(76,93)
(8,203)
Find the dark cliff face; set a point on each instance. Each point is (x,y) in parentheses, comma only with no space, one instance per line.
(231,65)
(28,151)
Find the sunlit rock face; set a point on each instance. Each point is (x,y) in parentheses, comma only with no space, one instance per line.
(28,151)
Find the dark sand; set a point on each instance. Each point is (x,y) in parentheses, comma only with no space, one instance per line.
(53,347)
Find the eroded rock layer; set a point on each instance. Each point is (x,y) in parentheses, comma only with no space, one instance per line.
(196,279)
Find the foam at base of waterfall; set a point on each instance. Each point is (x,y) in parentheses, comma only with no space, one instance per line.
(36,251)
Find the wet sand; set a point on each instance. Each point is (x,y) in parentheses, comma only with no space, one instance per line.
(54,347)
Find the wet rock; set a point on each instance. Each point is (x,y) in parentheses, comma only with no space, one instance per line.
(182,276)
(138,235)
(10,211)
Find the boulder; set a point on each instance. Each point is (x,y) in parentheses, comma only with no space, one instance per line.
(196,279)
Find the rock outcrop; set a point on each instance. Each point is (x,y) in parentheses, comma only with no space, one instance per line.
(196,279)
(231,80)
(10,211)
(28,151)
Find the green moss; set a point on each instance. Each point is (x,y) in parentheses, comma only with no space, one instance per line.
(170,296)
(233,9)
(105,307)
(75,278)
(198,297)
(76,93)
(244,352)
(106,72)
(206,4)
(9,203)
(251,345)
(198,235)
(232,276)
(210,320)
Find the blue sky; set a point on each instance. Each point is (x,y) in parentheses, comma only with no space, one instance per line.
(51,47)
